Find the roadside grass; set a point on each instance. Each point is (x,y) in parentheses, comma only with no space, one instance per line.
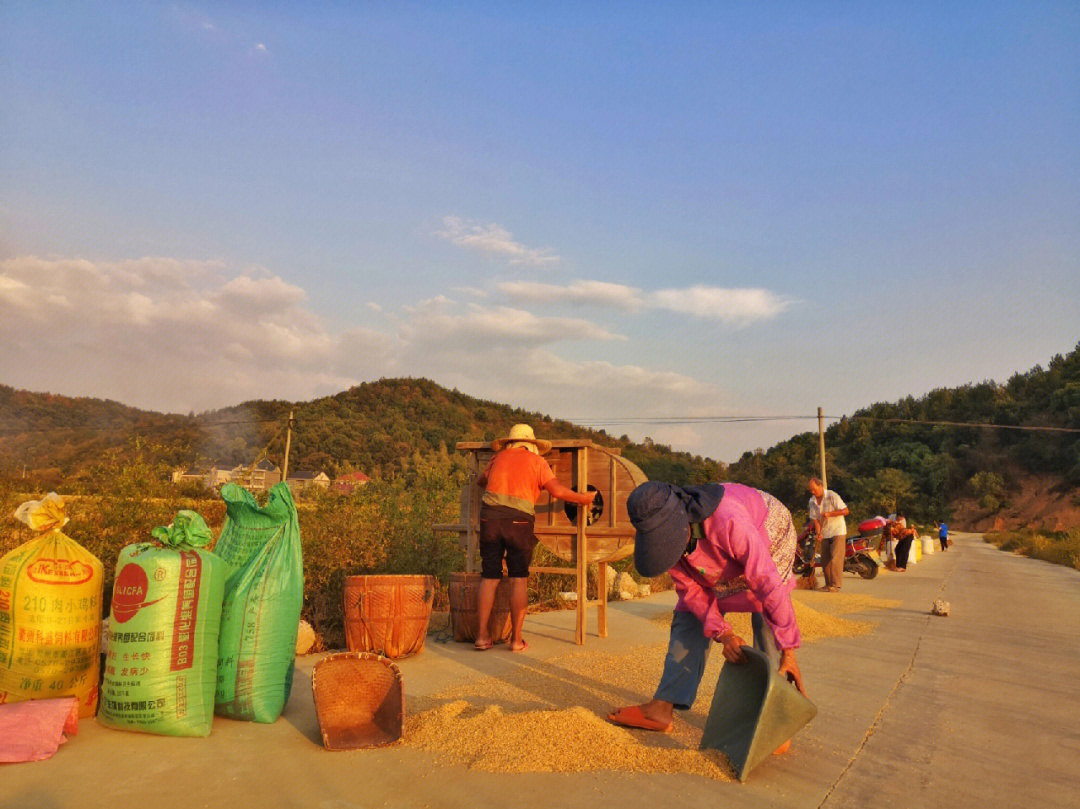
(1059,547)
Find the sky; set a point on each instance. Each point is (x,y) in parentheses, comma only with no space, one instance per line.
(644,217)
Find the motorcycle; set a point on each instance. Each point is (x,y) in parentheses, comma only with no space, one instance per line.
(858,557)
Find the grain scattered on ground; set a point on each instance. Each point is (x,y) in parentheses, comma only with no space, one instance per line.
(550,715)
(817,614)
(573,739)
(843,603)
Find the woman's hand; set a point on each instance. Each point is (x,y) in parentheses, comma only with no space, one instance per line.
(733,644)
(790,669)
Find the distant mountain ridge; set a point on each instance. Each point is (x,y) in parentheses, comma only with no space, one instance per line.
(888,456)
(374,427)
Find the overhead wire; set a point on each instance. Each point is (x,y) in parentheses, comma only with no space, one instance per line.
(664,420)
(581,422)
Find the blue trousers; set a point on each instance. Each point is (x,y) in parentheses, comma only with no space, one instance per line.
(688,651)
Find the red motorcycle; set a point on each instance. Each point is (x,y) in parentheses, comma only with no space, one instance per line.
(858,557)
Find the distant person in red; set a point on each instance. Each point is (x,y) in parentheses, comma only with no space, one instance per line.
(903,536)
(512,483)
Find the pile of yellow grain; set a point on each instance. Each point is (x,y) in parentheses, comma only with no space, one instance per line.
(549,715)
(573,739)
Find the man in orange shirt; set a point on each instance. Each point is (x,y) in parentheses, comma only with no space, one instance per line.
(512,482)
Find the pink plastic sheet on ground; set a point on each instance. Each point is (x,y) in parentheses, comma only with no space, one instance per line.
(33,730)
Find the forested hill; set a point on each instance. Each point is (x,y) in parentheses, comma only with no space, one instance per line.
(908,454)
(879,460)
(375,428)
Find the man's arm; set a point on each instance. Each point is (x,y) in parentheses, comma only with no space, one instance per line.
(840,508)
(556,489)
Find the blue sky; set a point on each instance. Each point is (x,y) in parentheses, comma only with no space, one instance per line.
(619,211)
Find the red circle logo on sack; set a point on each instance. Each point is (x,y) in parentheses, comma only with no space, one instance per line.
(129,593)
(59,571)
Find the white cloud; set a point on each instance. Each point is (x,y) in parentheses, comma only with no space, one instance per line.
(493,239)
(735,306)
(172,335)
(268,292)
(538,379)
(472,292)
(177,335)
(577,292)
(433,326)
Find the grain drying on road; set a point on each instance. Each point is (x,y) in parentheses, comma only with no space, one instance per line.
(549,715)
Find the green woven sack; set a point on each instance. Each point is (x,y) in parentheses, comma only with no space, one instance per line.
(264,594)
(161,664)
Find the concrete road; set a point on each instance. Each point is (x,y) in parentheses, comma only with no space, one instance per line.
(979,709)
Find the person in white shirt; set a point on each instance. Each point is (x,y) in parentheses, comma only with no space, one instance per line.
(827,511)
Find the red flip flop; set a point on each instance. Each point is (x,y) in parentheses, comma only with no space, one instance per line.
(632,717)
(482,647)
(522,648)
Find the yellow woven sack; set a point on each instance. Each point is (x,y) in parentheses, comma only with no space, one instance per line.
(50,613)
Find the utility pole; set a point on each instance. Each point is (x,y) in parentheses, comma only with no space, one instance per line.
(288,443)
(821,445)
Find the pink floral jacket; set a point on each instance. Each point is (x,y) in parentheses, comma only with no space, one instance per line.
(732,570)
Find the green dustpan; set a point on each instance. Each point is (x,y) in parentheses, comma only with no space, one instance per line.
(754,711)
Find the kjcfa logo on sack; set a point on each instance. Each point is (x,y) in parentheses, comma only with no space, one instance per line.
(59,571)
(129,593)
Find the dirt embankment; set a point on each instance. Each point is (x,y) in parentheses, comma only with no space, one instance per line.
(1035,502)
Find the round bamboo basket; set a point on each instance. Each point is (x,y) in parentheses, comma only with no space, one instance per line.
(388,614)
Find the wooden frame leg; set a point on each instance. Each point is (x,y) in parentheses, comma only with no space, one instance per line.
(601,605)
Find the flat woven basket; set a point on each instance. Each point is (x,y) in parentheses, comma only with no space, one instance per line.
(359,700)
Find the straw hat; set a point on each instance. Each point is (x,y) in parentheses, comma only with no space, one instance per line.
(522,435)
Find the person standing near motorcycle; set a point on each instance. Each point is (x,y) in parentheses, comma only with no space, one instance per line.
(903,536)
(827,511)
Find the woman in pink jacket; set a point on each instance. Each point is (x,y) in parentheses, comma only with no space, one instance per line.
(728,548)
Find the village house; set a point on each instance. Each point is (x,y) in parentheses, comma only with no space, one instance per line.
(191,476)
(347,483)
(298,481)
(257,478)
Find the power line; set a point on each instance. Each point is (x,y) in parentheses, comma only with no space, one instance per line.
(976,424)
(664,420)
(682,420)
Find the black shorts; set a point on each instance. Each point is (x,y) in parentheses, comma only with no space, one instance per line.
(506,532)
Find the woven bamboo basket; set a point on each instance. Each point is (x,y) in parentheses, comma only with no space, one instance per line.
(359,700)
(464,589)
(388,614)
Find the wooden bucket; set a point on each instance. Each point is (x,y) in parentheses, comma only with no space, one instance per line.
(464,590)
(388,614)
